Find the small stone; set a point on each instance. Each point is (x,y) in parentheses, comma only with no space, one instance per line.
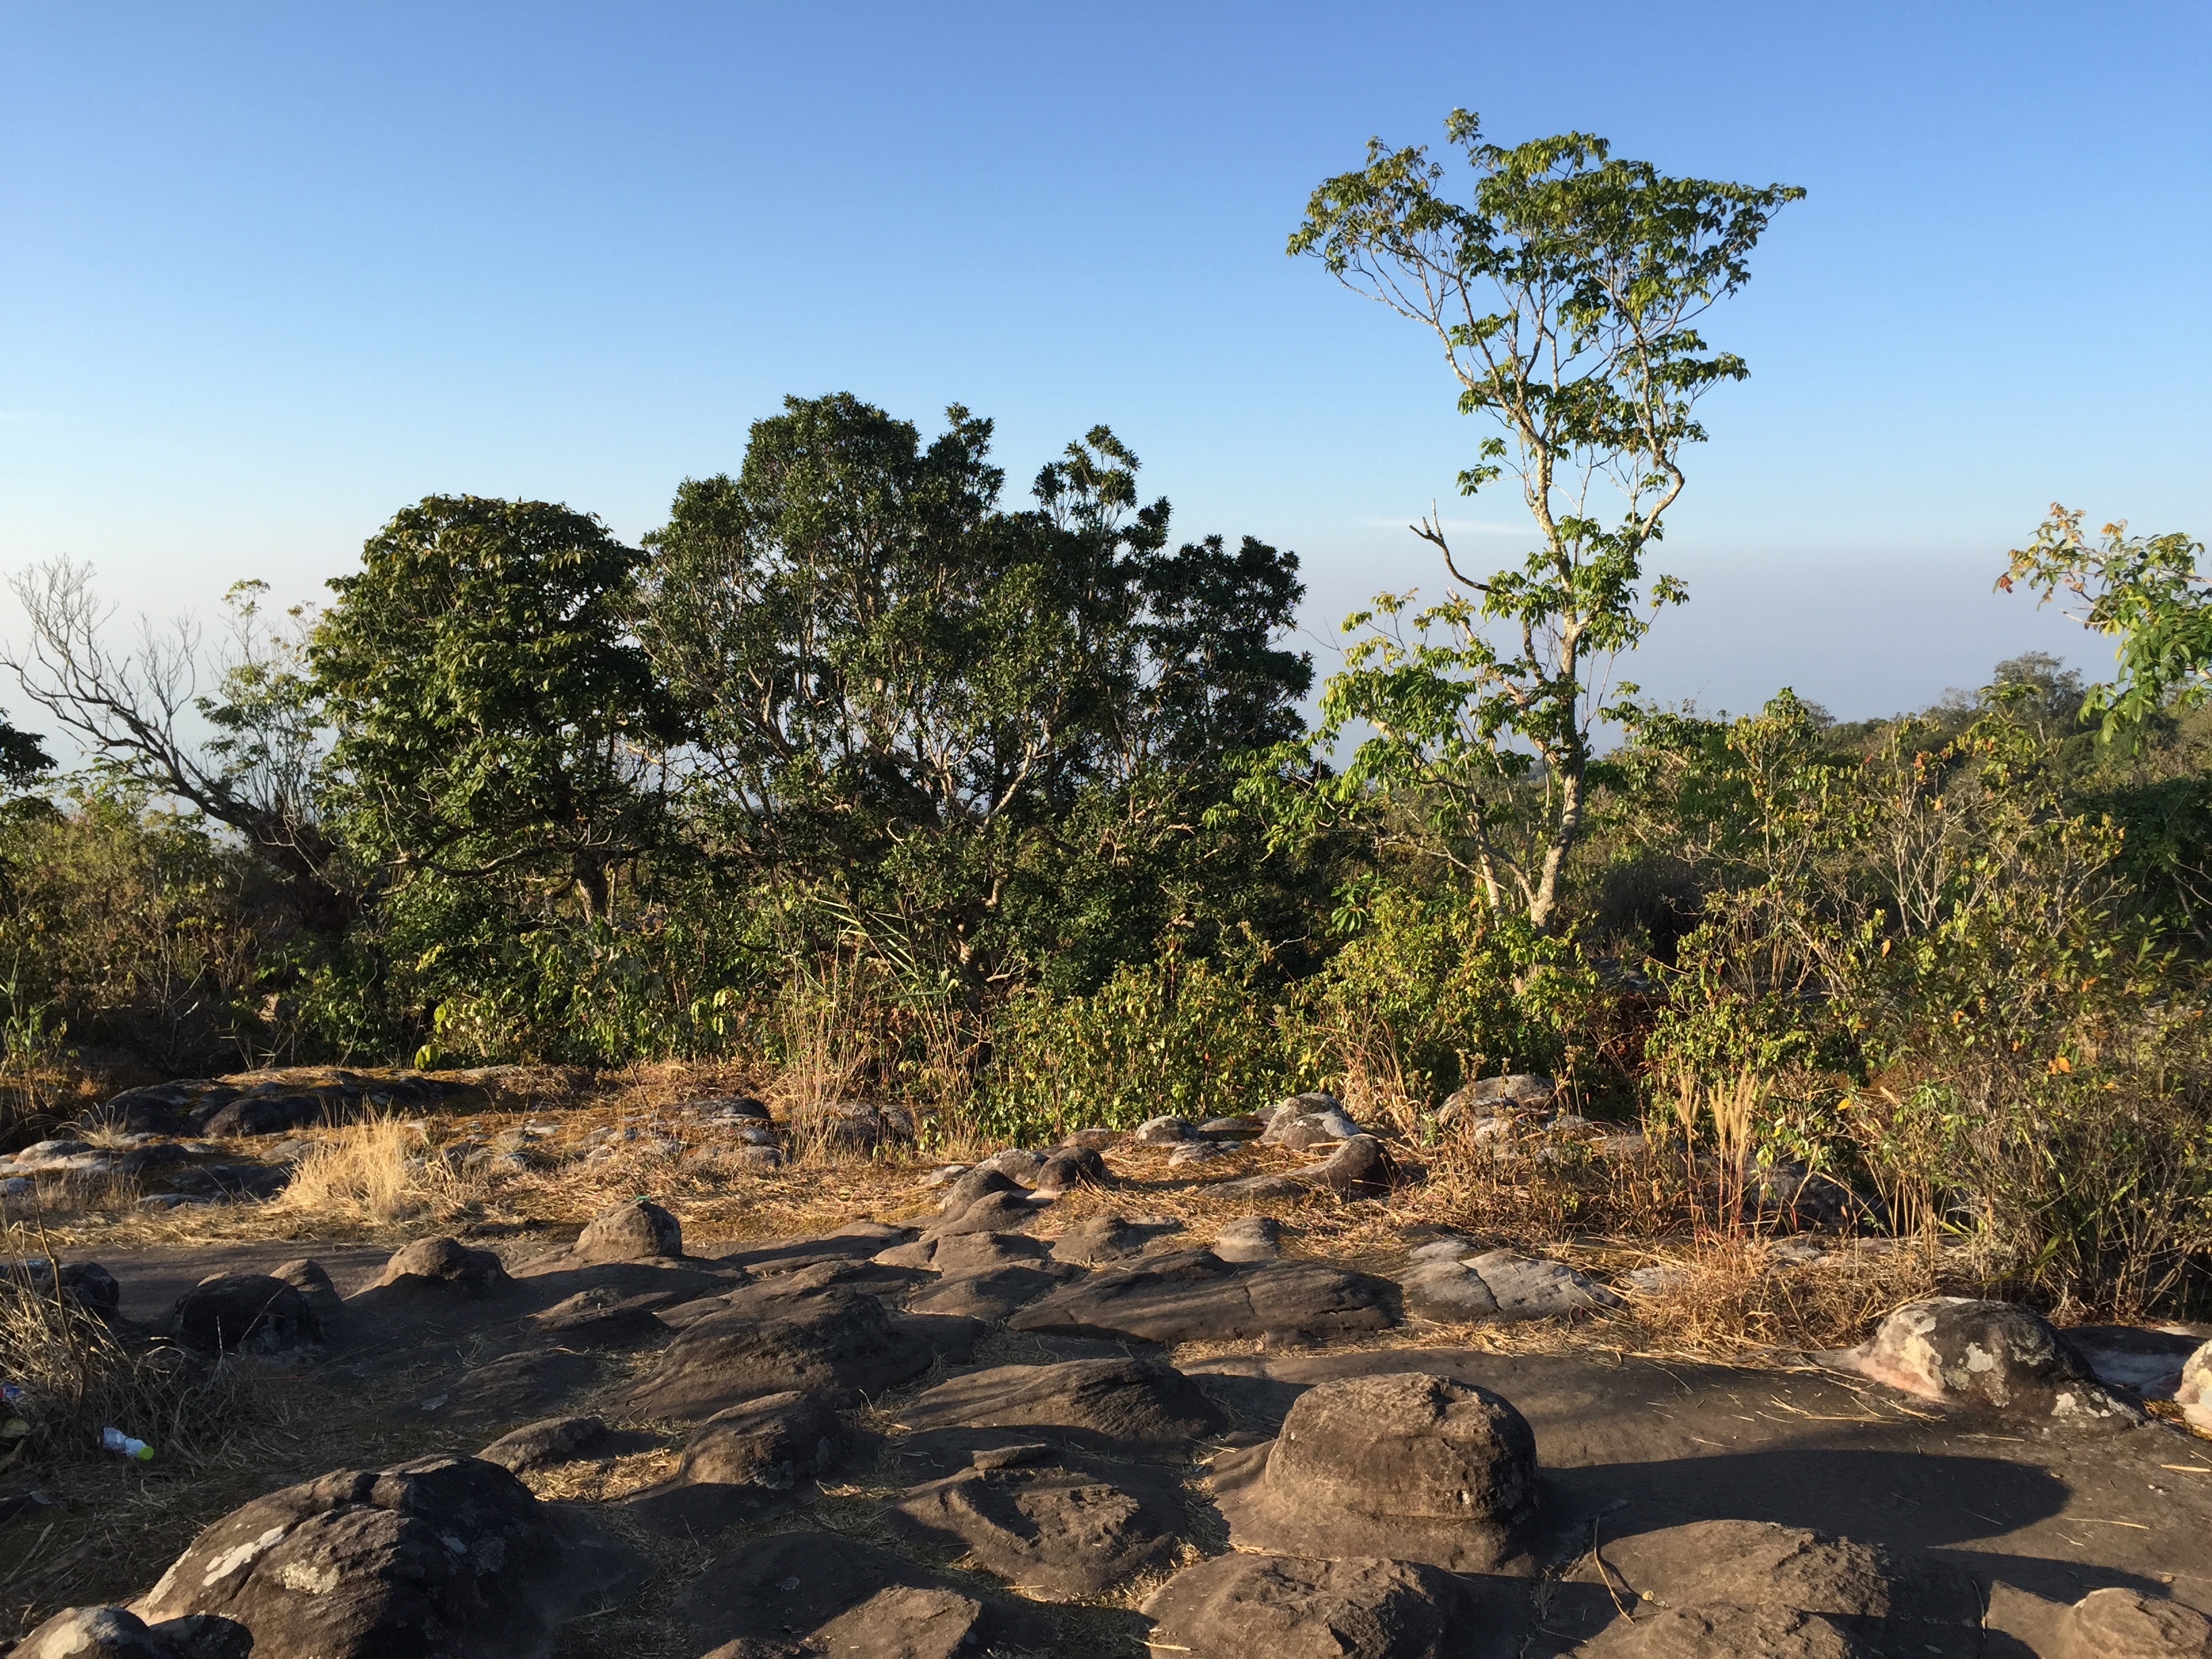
(546,1445)
(1195,1151)
(1249,1238)
(1656,1280)
(2119,1624)
(1067,1168)
(314,1285)
(1165,1131)
(1094,1140)
(442,1262)
(640,1230)
(245,1313)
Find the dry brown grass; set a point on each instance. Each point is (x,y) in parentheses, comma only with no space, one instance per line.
(373,1174)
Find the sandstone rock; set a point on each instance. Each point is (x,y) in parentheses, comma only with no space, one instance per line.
(120,1633)
(442,1559)
(994,1212)
(989,1296)
(1165,1132)
(1498,1284)
(603,1316)
(443,1264)
(1238,1605)
(1498,1097)
(1241,1126)
(1056,1531)
(1144,1402)
(1360,1167)
(729,1106)
(1183,1296)
(1196,1151)
(639,1231)
(978,1183)
(1067,1168)
(1299,1130)
(1725,1632)
(1989,1356)
(1314,1100)
(245,1313)
(518,1387)
(1448,1291)
(2193,1393)
(1016,1163)
(1757,1564)
(1404,1466)
(2119,1624)
(1100,1238)
(546,1445)
(822,1595)
(742,1463)
(837,1340)
(1249,1238)
(1093,1140)
(314,1284)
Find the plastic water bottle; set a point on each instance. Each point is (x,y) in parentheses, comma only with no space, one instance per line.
(115,1440)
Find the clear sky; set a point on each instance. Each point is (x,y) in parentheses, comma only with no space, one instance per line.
(269,272)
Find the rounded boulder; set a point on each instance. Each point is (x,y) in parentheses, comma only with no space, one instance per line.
(1405,1466)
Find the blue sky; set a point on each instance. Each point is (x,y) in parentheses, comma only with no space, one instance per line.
(269,272)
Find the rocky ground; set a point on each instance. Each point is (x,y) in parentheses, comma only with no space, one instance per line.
(1205,1389)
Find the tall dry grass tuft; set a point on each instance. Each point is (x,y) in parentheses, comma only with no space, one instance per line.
(75,1377)
(1735,1298)
(375,1174)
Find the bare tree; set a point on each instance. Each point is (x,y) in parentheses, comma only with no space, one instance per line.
(135,708)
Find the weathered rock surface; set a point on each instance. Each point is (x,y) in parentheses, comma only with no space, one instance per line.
(820,1594)
(1299,1130)
(313,1284)
(546,1445)
(245,1313)
(1498,1097)
(1056,1531)
(639,1231)
(1238,1605)
(2119,1624)
(1726,1631)
(443,1264)
(1067,1168)
(836,1341)
(1165,1132)
(1102,1238)
(1405,1466)
(741,1462)
(1989,1356)
(1180,1296)
(1497,1284)
(1144,1402)
(443,1559)
(2193,1393)
(1249,1238)
(1752,1564)
(603,1316)
(527,1384)
(118,1633)
(1360,1167)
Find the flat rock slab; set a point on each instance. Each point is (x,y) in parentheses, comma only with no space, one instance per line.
(1134,1401)
(838,1341)
(1640,1446)
(1183,1296)
(1056,1531)
(1498,1284)
(1237,1606)
(812,1594)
